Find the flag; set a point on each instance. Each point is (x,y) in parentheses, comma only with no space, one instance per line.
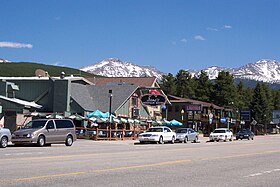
(2,122)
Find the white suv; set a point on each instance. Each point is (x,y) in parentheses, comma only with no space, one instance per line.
(5,137)
(221,134)
(158,134)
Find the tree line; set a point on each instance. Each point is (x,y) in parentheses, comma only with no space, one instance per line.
(261,99)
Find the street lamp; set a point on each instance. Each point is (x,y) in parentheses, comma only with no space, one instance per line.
(182,114)
(110,110)
(110,104)
(265,125)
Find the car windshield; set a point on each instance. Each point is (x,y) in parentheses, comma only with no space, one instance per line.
(34,124)
(244,131)
(219,131)
(181,130)
(155,130)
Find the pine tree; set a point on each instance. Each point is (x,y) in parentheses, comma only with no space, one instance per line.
(184,84)
(168,84)
(241,96)
(259,103)
(225,90)
(269,104)
(203,87)
(276,99)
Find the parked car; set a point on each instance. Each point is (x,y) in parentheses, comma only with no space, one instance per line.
(245,134)
(221,134)
(5,137)
(158,134)
(46,131)
(186,134)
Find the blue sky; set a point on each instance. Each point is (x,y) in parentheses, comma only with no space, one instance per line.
(168,34)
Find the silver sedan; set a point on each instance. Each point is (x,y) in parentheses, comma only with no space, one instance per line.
(186,134)
(5,137)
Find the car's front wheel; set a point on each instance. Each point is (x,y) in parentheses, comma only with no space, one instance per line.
(69,141)
(186,139)
(160,141)
(4,142)
(173,140)
(196,139)
(41,141)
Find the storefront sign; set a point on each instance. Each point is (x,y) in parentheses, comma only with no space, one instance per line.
(193,107)
(153,100)
(223,120)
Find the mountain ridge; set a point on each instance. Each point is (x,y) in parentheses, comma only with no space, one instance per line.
(114,67)
(262,70)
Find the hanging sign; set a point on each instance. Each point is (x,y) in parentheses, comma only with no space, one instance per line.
(193,107)
(153,100)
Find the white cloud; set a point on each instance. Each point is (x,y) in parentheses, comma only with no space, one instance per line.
(15,45)
(199,37)
(212,29)
(184,40)
(58,63)
(227,26)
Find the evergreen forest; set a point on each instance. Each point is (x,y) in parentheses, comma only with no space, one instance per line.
(260,100)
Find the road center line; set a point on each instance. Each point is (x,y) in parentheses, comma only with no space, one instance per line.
(116,153)
(139,166)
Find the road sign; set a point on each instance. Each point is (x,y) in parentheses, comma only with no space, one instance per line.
(223,120)
(245,115)
(254,122)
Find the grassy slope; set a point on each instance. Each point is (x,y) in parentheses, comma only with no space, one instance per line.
(27,69)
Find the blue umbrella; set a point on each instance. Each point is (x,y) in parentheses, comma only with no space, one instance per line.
(175,123)
(97,113)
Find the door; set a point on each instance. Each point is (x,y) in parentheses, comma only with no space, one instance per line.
(50,132)
(191,135)
(62,130)
(167,134)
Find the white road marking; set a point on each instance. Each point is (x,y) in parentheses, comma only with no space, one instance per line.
(262,173)
(33,153)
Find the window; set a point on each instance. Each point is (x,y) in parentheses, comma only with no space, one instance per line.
(50,124)
(166,129)
(63,124)
(134,101)
(135,112)
(35,124)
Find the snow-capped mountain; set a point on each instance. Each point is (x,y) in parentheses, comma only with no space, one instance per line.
(262,70)
(114,67)
(3,60)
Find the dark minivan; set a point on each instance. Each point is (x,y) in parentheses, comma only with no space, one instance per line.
(46,131)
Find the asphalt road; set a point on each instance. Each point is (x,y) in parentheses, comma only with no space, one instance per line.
(126,163)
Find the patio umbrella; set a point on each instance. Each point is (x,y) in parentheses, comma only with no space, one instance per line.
(175,123)
(55,116)
(98,114)
(77,117)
